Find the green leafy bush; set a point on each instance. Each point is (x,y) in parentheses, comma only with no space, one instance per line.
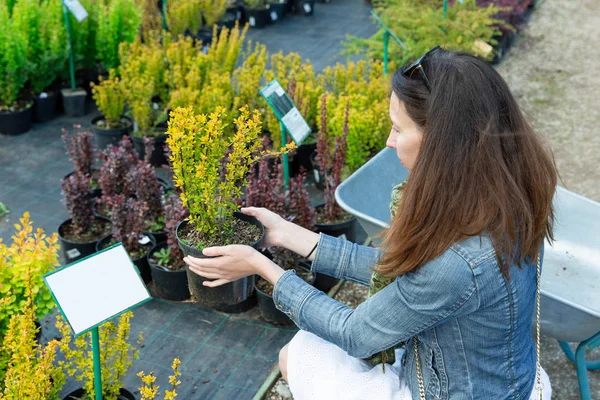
(422,25)
(118,21)
(13,61)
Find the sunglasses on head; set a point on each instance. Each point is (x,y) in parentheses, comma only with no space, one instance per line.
(418,66)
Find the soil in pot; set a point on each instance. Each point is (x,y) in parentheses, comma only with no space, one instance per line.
(16,119)
(139,257)
(44,106)
(78,394)
(105,134)
(264,294)
(170,280)
(231,297)
(75,246)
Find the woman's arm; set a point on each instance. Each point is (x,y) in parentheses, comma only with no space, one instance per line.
(441,289)
(333,256)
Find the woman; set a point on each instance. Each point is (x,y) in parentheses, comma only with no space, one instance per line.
(462,249)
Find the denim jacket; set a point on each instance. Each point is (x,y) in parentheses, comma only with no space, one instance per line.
(473,326)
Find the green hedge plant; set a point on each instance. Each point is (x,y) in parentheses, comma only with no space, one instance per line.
(13,62)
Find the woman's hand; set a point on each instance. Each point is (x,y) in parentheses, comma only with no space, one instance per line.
(231,263)
(274,224)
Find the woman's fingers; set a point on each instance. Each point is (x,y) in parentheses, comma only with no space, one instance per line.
(218,282)
(206,274)
(202,262)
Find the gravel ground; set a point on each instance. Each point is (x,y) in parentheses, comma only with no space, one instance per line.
(552,70)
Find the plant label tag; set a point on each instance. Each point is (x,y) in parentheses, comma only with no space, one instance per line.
(78,11)
(96,289)
(273,16)
(238,15)
(43,95)
(252,21)
(285,110)
(317,176)
(307,8)
(144,240)
(343,236)
(73,253)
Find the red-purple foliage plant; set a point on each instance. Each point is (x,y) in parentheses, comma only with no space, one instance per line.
(142,178)
(117,162)
(331,157)
(81,149)
(79,201)
(128,218)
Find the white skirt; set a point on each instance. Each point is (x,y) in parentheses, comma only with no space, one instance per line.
(319,370)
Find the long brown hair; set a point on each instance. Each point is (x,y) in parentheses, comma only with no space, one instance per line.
(481,168)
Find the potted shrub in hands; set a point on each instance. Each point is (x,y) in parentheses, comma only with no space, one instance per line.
(331,158)
(198,144)
(110,100)
(15,112)
(166,259)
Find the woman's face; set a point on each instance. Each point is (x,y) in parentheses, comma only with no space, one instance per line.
(405,135)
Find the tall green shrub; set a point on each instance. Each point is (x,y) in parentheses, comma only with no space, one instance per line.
(13,61)
(118,21)
(422,25)
(42,26)
(84,36)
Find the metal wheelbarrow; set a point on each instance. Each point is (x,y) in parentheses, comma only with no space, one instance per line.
(570,287)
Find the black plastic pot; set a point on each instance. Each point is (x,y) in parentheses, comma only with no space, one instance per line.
(74,102)
(158,157)
(80,394)
(141,263)
(304,7)
(302,158)
(277,10)
(73,251)
(159,237)
(344,229)
(231,297)
(319,178)
(44,108)
(104,137)
(268,311)
(15,123)
(231,16)
(169,285)
(258,17)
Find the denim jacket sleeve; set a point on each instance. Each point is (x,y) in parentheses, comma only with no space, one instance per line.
(441,289)
(345,260)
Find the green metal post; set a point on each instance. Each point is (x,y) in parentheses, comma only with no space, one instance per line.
(445,8)
(97,368)
(286,166)
(164,14)
(71,58)
(386,42)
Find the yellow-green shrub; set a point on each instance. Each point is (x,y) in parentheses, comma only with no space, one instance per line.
(149,390)
(246,80)
(184,16)
(110,99)
(117,355)
(213,10)
(30,256)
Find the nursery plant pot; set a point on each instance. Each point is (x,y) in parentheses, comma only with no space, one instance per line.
(158,157)
(231,16)
(104,137)
(268,311)
(345,229)
(205,36)
(319,179)
(17,122)
(277,10)
(74,102)
(73,251)
(258,17)
(141,263)
(159,237)
(231,297)
(302,158)
(304,7)
(44,108)
(168,284)
(78,394)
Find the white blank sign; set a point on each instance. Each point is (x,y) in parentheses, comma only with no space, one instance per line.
(96,289)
